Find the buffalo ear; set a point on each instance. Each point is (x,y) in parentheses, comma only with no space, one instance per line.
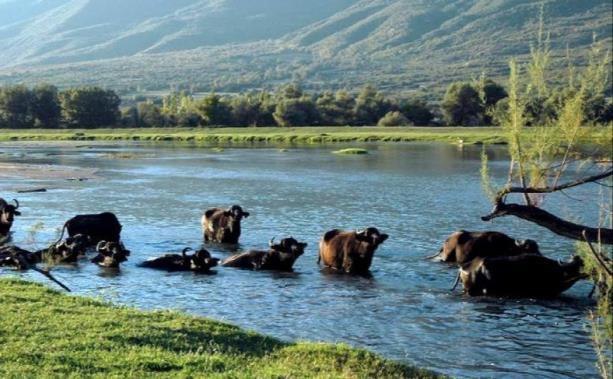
(384,237)
(17,213)
(246,214)
(303,244)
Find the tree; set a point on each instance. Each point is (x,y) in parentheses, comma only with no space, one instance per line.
(90,107)
(129,117)
(549,160)
(371,106)
(335,109)
(46,109)
(16,107)
(417,112)
(213,110)
(462,105)
(150,115)
(245,110)
(394,119)
(296,112)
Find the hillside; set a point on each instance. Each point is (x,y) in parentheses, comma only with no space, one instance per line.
(244,44)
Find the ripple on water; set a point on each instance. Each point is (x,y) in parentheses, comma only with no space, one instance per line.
(417,193)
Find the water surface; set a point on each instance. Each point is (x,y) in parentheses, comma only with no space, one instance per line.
(417,193)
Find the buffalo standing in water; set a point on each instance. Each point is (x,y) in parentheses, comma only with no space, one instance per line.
(200,262)
(350,252)
(279,257)
(524,275)
(463,246)
(110,254)
(223,225)
(99,227)
(66,251)
(7,216)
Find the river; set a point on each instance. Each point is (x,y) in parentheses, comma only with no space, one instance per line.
(417,193)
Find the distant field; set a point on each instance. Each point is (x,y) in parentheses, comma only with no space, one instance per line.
(46,334)
(299,135)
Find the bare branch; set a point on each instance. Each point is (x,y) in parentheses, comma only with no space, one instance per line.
(564,186)
(551,222)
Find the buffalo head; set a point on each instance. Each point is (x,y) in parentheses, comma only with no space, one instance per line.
(8,212)
(289,246)
(528,246)
(237,212)
(202,260)
(371,236)
(111,254)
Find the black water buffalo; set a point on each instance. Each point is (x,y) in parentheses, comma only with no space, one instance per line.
(350,252)
(7,216)
(280,257)
(201,261)
(110,254)
(463,246)
(526,275)
(99,227)
(223,225)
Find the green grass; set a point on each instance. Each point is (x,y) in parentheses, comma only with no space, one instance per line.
(301,135)
(47,334)
(352,151)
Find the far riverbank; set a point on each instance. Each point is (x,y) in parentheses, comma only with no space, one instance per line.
(298,135)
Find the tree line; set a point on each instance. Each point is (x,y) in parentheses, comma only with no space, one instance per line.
(478,102)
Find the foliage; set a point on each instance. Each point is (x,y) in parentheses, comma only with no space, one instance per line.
(394,119)
(418,112)
(213,110)
(371,106)
(149,115)
(462,105)
(47,334)
(90,107)
(549,158)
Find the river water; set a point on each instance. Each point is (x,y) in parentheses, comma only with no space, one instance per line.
(417,193)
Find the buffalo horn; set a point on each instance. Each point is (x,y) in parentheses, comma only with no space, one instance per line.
(271,242)
(457,281)
(16,203)
(100,245)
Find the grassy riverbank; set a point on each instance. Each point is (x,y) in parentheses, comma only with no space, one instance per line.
(47,334)
(302,135)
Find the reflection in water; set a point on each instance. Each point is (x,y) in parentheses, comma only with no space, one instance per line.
(417,193)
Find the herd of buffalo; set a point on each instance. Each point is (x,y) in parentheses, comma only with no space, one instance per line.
(490,263)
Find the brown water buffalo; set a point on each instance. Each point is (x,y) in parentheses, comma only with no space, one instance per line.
(17,258)
(279,257)
(223,225)
(67,251)
(463,246)
(201,261)
(110,254)
(350,252)
(99,227)
(7,216)
(525,275)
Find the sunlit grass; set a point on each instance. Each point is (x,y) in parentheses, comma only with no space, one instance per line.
(47,334)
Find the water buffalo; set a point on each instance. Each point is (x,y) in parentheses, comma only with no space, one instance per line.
(18,258)
(223,225)
(525,275)
(201,261)
(350,252)
(99,227)
(463,246)
(7,216)
(280,257)
(110,254)
(67,251)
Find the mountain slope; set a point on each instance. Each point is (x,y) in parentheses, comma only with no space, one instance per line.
(243,44)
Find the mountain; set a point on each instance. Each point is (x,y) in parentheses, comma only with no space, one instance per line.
(246,44)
